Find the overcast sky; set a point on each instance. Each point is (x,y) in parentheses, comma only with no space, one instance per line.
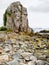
(38,12)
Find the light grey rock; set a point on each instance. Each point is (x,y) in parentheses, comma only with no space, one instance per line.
(40,62)
(17,17)
(8,41)
(42,57)
(47,59)
(4,57)
(20,51)
(33,58)
(26,55)
(6,49)
(47,63)
(23,45)
(14,62)
(23,63)
(4,63)
(31,63)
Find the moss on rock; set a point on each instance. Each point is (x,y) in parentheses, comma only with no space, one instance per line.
(5,18)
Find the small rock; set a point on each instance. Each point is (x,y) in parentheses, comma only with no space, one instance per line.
(1,50)
(14,62)
(33,58)
(40,62)
(42,57)
(23,64)
(6,49)
(31,63)
(4,57)
(47,59)
(47,63)
(26,55)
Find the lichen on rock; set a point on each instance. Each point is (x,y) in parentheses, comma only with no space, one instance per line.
(16,18)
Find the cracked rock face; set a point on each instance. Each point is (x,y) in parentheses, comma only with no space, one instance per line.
(17,17)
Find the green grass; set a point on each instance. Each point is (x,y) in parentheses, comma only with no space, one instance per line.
(5,29)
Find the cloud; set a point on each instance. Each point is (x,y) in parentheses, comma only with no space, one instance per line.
(42,7)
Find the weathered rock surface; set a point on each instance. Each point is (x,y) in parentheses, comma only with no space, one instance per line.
(17,18)
(19,49)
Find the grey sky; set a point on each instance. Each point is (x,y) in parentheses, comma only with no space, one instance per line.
(38,12)
(42,7)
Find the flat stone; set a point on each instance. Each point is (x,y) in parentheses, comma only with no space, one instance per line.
(40,62)
(47,59)
(26,55)
(4,57)
(31,63)
(14,62)
(33,58)
(23,64)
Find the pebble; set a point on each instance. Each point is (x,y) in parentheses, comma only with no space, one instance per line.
(40,62)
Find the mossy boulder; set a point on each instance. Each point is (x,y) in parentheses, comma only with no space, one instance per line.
(5,17)
(15,17)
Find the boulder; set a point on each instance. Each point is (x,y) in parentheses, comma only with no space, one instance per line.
(16,18)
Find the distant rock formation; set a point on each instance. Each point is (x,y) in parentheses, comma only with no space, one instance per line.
(16,18)
(44,31)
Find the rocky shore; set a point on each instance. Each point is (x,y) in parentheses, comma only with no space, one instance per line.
(18,44)
(22,49)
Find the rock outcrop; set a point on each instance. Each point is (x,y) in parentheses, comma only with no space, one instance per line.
(16,17)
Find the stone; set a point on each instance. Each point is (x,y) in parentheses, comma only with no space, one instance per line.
(23,64)
(4,63)
(42,57)
(26,55)
(30,31)
(31,63)
(46,63)
(1,50)
(2,39)
(13,62)
(40,62)
(20,51)
(8,42)
(33,58)
(23,45)
(7,49)
(17,17)
(4,57)
(47,59)
(13,40)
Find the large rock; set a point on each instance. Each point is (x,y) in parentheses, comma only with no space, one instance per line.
(16,17)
